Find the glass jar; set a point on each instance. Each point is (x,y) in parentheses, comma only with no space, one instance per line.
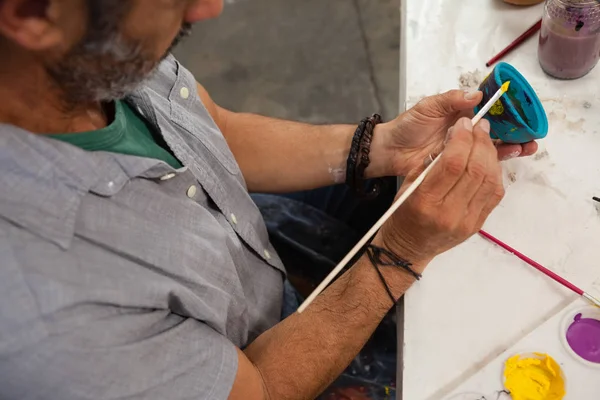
(523,2)
(570,39)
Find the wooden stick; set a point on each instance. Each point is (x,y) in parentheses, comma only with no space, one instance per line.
(410,190)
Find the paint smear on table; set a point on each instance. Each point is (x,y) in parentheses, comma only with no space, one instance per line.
(470,80)
(534,378)
(584,338)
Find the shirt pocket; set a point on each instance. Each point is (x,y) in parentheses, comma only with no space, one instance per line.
(188,112)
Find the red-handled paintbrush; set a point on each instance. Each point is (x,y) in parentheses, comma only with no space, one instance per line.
(542,269)
(517,42)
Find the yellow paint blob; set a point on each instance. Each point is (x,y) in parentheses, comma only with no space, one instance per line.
(505,86)
(536,378)
(497,108)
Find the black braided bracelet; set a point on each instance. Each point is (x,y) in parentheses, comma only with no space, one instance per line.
(353,155)
(364,161)
(358,158)
(385,258)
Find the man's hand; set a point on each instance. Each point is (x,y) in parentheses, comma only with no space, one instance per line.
(453,201)
(300,356)
(409,139)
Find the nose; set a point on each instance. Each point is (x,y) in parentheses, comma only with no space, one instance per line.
(199,10)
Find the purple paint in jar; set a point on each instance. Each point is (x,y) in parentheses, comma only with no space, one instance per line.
(583,337)
(569,45)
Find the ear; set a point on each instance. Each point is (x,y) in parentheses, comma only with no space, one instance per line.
(32,24)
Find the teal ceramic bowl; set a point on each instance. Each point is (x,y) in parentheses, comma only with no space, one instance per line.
(518,117)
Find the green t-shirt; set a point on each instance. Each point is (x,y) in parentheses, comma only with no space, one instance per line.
(127,134)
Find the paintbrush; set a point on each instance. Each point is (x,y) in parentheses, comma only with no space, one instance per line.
(516,43)
(335,272)
(542,269)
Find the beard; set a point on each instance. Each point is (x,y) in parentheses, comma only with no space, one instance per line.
(106,65)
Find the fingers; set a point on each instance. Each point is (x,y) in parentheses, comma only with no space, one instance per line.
(453,161)
(487,198)
(508,151)
(459,193)
(450,102)
(492,203)
(475,185)
(488,195)
(438,150)
(529,149)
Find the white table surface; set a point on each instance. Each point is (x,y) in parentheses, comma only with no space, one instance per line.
(476,301)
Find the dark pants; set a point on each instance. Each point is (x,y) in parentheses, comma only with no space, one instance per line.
(312,231)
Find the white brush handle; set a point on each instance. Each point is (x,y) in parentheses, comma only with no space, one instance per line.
(591,299)
(410,190)
(368,236)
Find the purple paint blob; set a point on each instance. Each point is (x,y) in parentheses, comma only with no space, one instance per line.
(584,338)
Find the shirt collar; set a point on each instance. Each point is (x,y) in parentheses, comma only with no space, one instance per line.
(43,180)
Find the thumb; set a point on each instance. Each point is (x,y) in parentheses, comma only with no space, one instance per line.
(450,102)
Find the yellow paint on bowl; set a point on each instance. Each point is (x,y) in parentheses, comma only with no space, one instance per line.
(497,108)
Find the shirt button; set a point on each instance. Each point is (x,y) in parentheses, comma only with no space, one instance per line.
(191,192)
(233,218)
(167,176)
(267,254)
(184,93)
(111,184)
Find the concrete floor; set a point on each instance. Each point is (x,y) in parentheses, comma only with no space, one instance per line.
(319,61)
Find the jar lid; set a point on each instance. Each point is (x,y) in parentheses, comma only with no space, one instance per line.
(579,3)
(576,14)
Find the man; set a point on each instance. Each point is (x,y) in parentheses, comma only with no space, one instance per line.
(135,265)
